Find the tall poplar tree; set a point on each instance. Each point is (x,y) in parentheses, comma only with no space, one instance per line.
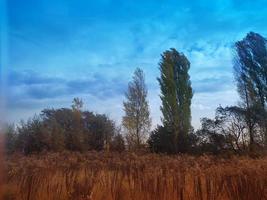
(137,120)
(176,95)
(250,67)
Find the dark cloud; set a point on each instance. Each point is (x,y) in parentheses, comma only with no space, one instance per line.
(33,87)
(30,77)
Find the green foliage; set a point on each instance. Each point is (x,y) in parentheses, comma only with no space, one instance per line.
(250,68)
(176,95)
(161,140)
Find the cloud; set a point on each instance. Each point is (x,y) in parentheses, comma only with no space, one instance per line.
(91,48)
(33,87)
(212,85)
(30,77)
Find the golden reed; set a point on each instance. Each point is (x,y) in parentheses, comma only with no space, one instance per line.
(1,163)
(112,176)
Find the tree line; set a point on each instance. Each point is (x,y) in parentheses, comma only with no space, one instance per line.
(235,129)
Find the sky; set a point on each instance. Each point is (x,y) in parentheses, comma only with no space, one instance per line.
(55,50)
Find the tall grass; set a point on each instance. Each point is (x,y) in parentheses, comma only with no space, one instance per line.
(102,176)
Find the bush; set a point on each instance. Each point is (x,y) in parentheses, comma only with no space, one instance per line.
(161,141)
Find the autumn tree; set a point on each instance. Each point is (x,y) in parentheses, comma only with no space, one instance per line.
(176,95)
(64,129)
(136,120)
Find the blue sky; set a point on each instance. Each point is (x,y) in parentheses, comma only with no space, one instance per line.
(61,49)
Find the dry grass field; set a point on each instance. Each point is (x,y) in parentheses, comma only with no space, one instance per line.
(110,176)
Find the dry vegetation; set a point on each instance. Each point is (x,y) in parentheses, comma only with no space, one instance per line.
(129,176)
